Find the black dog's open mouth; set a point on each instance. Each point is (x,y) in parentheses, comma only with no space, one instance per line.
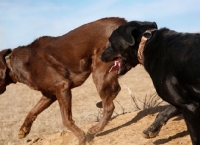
(120,66)
(116,66)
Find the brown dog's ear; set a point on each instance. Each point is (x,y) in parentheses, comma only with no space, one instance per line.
(3,66)
(128,37)
(3,53)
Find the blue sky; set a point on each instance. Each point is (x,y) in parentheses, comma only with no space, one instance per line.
(22,21)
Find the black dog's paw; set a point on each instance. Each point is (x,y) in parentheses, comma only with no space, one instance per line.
(151,132)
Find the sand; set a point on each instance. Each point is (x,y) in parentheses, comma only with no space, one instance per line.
(124,128)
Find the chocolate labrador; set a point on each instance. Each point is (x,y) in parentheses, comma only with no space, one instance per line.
(55,65)
(172,60)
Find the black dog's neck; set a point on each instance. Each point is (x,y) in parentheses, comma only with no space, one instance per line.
(155,51)
(147,35)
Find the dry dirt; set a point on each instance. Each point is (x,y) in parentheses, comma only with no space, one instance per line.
(124,129)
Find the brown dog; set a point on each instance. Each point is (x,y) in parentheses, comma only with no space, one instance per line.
(55,65)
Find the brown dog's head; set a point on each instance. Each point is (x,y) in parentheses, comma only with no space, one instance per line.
(4,72)
(124,42)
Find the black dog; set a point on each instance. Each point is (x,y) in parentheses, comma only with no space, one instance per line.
(122,38)
(172,60)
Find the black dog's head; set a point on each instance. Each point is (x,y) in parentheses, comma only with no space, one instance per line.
(124,42)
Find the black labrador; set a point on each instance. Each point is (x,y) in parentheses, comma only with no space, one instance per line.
(125,31)
(172,60)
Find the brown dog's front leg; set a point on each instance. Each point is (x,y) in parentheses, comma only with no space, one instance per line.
(43,103)
(108,88)
(64,96)
(108,108)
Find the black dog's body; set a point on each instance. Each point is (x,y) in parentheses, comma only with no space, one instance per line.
(172,60)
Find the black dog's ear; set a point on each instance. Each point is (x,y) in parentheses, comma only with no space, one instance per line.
(128,37)
(155,25)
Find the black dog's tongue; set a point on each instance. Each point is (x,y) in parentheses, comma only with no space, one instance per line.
(116,66)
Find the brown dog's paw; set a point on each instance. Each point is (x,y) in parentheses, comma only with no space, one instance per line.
(99,104)
(93,130)
(23,133)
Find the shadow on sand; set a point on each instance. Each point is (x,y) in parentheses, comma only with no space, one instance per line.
(142,114)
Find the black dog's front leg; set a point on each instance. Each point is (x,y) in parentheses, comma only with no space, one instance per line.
(161,119)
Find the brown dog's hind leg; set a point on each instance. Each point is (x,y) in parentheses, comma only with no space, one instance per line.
(64,97)
(43,103)
(108,87)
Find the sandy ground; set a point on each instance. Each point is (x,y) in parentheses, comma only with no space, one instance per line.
(125,127)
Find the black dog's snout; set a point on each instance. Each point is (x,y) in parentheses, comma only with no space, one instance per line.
(103,58)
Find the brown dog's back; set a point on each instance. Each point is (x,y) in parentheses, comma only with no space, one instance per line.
(71,55)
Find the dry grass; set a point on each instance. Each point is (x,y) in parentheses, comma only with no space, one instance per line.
(150,100)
